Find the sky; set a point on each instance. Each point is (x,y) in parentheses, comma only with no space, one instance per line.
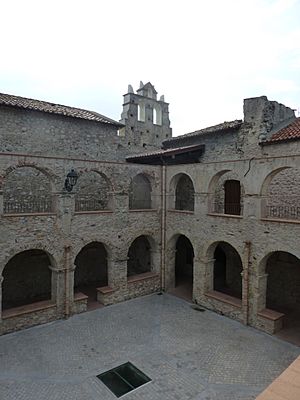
(204,56)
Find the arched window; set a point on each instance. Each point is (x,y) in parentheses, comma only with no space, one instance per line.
(26,279)
(140,193)
(157,117)
(184,194)
(139,256)
(27,190)
(282,194)
(141,112)
(92,192)
(232,197)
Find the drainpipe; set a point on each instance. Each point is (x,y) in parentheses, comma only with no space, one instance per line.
(67,286)
(246,282)
(163,225)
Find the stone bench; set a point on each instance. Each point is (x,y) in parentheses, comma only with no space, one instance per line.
(105,294)
(273,319)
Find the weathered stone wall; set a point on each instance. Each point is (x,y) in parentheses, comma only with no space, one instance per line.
(39,133)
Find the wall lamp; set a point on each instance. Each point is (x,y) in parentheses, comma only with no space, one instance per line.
(71,180)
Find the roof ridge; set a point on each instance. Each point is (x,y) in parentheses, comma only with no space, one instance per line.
(54,108)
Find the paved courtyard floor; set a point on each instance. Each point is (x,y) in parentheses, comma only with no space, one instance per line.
(188,354)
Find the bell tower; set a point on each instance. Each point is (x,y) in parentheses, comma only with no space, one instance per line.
(146,119)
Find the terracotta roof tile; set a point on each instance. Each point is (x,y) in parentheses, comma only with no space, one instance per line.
(44,106)
(225,126)
(290,132)
(162,152)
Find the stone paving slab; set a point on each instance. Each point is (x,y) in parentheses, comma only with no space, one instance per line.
(189,355)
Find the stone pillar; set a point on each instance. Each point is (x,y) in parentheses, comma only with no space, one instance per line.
(58,288)
(261,292)
(170,269)
(1,203)
(155,261)
(203,277)
(117,276)
(201,203)
(1,281)
(253,206)
(65,208)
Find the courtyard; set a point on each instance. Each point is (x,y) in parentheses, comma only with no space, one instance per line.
(186,352)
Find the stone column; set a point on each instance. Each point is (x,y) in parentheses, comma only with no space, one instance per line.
(58,288)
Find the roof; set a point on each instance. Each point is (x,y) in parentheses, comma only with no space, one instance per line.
(163,156)
(224,127)
(290,132)
(51,108)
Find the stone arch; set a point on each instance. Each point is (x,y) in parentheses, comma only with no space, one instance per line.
(27,278)
(27,189)
(227,269)
(280,193)
(182,192)
(93,192)
(184,263)
(226,193)
(157,114)
(141,112)
(91,269)
(140,192)
(140,257)
(180,254)
(280,287)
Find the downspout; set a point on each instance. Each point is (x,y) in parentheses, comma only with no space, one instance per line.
(66,269)
(246,282)
(163,225)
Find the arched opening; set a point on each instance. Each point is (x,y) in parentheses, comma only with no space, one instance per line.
(228,267)
(232,197)
(92,192)
(226,193)
(157,118)
(281,194)
(184,266)
(140,193)
(26,279)
(184,194)
(141,112)
(27,190)
(139,257)
(91,270)
(283,289)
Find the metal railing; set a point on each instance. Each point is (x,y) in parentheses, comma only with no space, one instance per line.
(283,212)
(139,204)
(228,208)
(27,206)
(91,204)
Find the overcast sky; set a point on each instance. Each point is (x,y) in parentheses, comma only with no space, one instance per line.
(204,56)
